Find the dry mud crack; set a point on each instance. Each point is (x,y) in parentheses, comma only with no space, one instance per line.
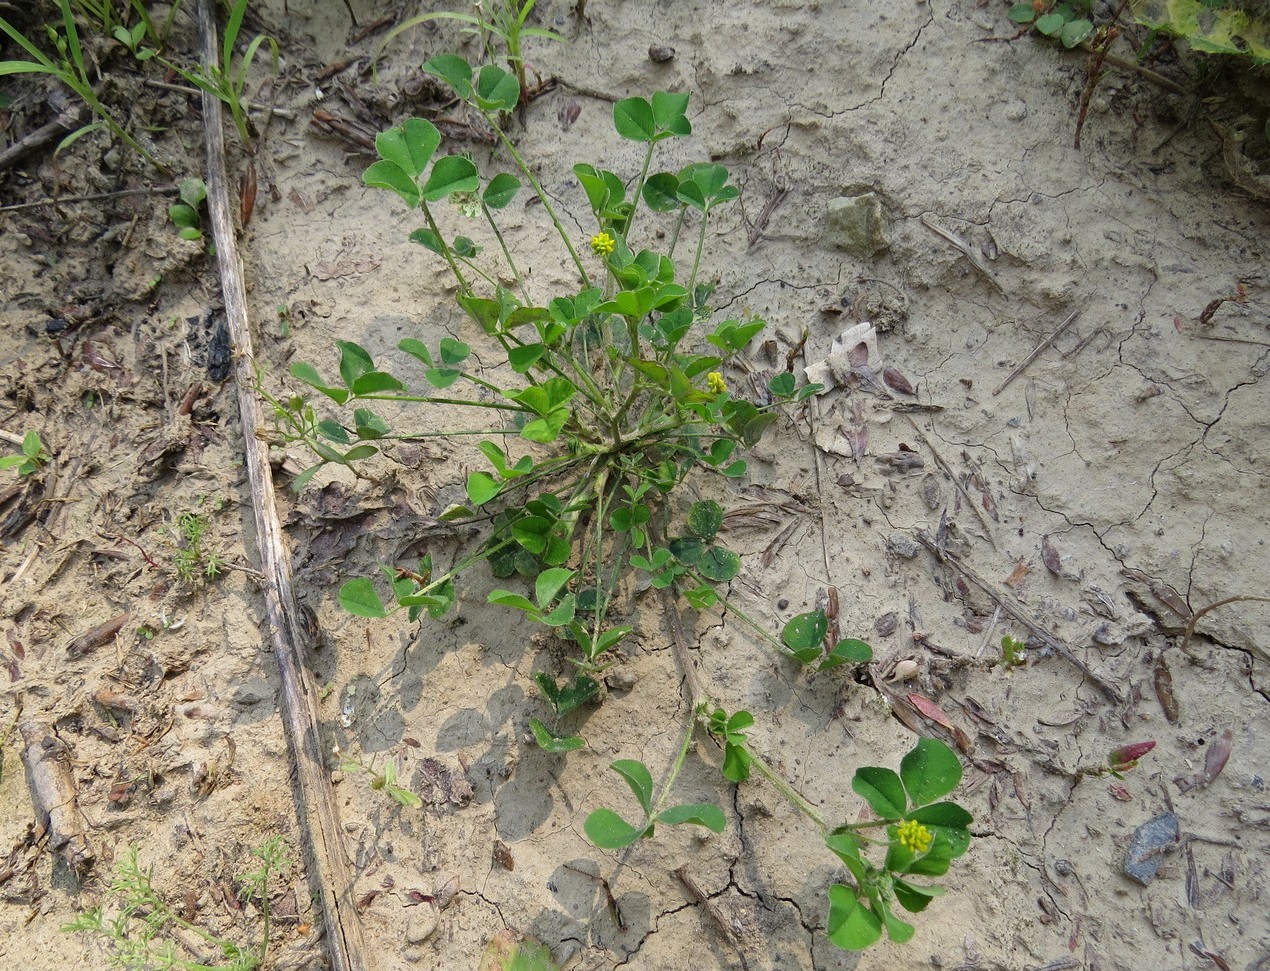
(1120,482)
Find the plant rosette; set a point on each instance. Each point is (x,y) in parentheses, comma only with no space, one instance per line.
(619,390)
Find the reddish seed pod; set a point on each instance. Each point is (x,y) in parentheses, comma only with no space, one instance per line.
(1126,756)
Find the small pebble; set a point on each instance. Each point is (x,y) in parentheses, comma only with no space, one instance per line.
(1145,853)
(253,692)
(423,926)
(661,53)
(901,545)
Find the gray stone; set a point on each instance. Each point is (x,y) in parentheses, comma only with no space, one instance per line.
(856,224)
(253,692)
(1146,850)
(901,545)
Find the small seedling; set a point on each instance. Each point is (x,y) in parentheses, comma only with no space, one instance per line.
(609,831)
(186,214)
(1067,23)
(33,455)
(195,560)
(1013,652)
(140,925)
(227,81)
(385,781)
(501,21)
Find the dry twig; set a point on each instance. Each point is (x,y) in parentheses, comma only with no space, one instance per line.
(331,874)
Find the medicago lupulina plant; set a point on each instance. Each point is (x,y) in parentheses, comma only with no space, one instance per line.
(619,395)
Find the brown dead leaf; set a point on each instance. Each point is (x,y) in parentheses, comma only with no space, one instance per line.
(1163,680)
(96,636)
(247,198)
(897,382)
(1018,575)
(1214,762)
(930,710)
(1162,592)
(1049,556)
(301,200)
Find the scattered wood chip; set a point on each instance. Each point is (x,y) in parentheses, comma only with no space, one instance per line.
(1018,575)
(53,794)
(96,636)
(1162,592)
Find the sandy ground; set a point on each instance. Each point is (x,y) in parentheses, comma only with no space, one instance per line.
(1113,487)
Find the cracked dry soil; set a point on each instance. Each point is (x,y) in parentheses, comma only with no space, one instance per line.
(1117,484)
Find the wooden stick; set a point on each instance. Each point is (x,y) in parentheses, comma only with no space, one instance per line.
(1037,350)
(720,921)
(1053,643)
(967,251)
(947,470)
(330,873)
(70,119)
(91,197)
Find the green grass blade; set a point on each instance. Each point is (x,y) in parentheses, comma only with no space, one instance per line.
(232,28)
(20,39)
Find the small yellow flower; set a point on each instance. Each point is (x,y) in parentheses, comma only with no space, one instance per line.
(602,244)
(715,383)
(914,836)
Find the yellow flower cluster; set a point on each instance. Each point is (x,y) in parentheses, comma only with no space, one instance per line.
(602,244)
(715,383)
(914,836)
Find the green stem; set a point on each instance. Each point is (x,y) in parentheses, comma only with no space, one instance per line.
(469,560)
(507,255)
(753,625)
(542,195)
(674,236)
(701,242)
(789,792)
(429,400)
(639,188)
(601,484)
(669,784)
(445,248)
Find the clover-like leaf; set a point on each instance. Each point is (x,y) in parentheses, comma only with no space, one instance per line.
(496,90)
(359,597)
(705,518)
(454,173)
(409,145)
(805,630)
(390,175)
(454,71)
(550,742)
(929,771)
(719,564)
(702,814)
(633,119)
(639,779)
(501,190)
(850,925)
(881,789)
(609,831)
